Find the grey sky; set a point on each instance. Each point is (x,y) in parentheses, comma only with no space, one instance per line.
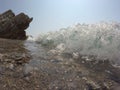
(52,15)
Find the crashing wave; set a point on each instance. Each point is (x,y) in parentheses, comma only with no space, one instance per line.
(100,39)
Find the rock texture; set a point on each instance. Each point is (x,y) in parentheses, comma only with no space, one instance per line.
(13,26)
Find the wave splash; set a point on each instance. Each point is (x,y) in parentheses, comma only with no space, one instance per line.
(100,39)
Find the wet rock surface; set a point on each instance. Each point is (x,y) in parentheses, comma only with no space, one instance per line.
(13,26)
(28,66)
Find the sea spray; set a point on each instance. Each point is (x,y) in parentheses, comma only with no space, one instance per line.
(100,39)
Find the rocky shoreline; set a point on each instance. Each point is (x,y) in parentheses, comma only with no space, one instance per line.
(22,69)
(13,58)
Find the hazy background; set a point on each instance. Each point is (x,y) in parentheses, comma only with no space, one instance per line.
(52,15)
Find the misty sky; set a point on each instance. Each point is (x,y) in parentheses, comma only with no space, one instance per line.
(52,15)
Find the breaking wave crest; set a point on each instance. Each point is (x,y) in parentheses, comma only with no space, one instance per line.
(100,39)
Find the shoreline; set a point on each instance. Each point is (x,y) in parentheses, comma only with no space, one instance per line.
(33,69)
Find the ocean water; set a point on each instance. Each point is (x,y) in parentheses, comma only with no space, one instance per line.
(70,56)
(100,39)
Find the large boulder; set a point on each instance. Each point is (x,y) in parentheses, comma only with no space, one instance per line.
(13,26)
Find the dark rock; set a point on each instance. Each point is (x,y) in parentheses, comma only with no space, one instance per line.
(13,26)
(114,75)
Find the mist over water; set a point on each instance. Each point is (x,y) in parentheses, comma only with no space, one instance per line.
(100,39)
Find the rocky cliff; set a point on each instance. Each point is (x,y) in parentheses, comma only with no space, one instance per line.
(13,26)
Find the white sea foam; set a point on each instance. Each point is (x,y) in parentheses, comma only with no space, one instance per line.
(100,39)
